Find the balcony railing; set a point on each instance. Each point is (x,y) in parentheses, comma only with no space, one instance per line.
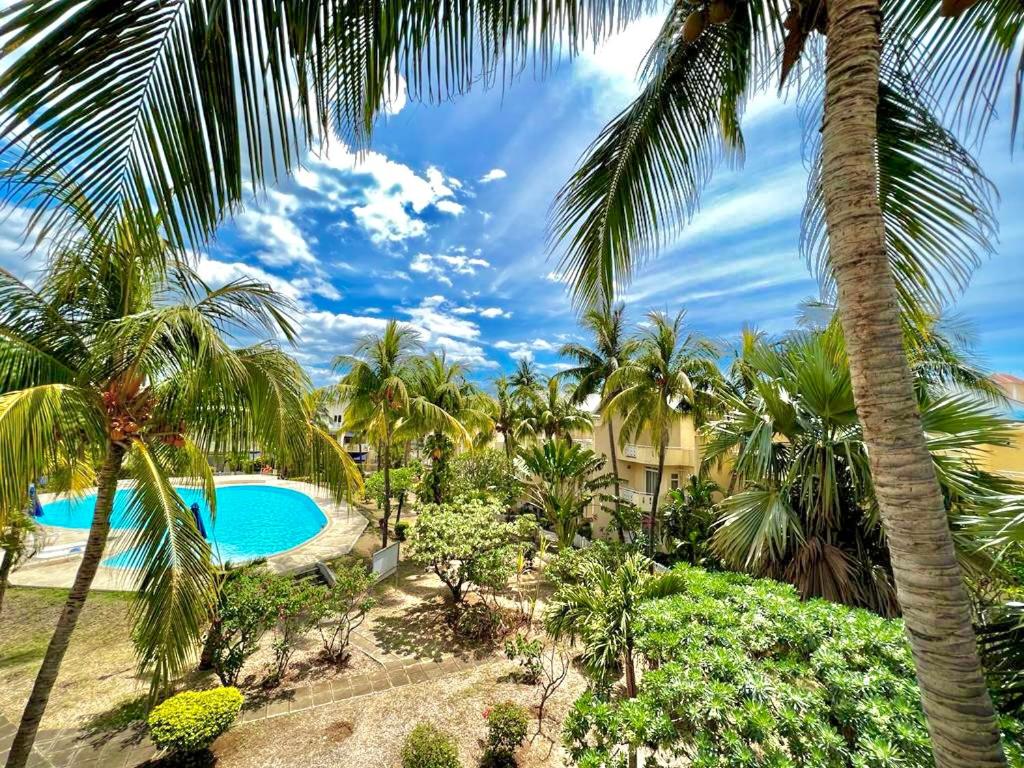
(675,456)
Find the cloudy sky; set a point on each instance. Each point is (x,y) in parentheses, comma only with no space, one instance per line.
(442,225)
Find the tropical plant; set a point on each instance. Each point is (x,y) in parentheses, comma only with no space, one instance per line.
(121,359)
(246,610)
(653,389)
(18,532)
(591,368)
(428,747)
(381,400)
(600,611)
(805,509)
(507,416)
(506,731)
(743,671)
(402,480)
(340,609)
(460,542)
(444,385)
(563,479)
(485,473)
(689,516)
(551,413)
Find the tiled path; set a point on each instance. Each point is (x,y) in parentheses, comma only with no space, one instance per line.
(70,748)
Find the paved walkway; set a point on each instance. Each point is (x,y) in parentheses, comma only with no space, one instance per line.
(72,748)
(344,526)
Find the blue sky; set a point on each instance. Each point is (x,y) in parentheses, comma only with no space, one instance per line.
(442,225)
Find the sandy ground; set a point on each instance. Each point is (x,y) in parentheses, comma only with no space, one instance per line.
(368,732)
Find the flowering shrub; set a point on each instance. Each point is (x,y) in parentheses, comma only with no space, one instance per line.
(506,729)
(192,721)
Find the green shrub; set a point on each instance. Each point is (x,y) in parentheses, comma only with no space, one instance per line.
(401,530)
(427,747)
(742,672)
(526,654)
(506,728)
(192,721)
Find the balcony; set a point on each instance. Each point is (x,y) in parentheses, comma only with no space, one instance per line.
(675,456)
(638,498)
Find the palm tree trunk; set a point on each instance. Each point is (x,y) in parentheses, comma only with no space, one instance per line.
(654,500)
(615,482)
(106,486)
(5,573)
(929,583)
(386,456)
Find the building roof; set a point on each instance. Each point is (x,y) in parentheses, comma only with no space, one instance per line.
(1006,378)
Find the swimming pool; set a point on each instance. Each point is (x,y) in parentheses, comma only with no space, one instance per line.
(252,520)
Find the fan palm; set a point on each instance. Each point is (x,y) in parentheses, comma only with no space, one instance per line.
(445,386)
(121,360)
(563,478)
(651,391)
(593,366)
(380,395)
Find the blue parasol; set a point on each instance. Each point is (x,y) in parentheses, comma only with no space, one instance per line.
(198,519)
(37,508)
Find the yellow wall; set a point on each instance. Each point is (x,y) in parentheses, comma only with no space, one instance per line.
(1008,460)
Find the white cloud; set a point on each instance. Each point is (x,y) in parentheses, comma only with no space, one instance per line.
(442,266)
(388,207)
(16,254)
(614,65)
(525,350)
(218,273)
(270,223)
(492,312)
(495,174)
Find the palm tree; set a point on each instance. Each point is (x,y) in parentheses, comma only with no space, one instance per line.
(563,478)
(381,400)
(445,386)
(121,360)
(651,391)
(806,511)
(601,610)
(640,182)
(553,413)
(593,366)
(506,416)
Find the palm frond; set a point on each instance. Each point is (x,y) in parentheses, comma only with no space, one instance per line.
(175,583)
(642,177)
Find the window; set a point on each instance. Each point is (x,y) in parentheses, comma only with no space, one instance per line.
(650,480)
(674,481)
(337,418)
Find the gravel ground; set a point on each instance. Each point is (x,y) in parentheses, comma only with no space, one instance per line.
(368,731)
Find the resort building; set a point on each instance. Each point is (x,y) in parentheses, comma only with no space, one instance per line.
(362,453)
(638,465)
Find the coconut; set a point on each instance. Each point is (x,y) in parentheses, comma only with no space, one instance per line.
(719,12)
(693,26)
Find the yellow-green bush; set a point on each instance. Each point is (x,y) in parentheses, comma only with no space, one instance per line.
(191,721)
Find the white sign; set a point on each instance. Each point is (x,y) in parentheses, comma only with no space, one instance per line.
(385,561)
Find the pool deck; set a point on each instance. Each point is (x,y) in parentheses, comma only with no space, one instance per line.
(344,526)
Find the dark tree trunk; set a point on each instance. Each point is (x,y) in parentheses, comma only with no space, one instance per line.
(615,484)
(5,573)
(386,457)
(106,487)
(929,583)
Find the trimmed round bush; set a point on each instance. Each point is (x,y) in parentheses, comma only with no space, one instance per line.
(192,721)
(428,747)
(506,728)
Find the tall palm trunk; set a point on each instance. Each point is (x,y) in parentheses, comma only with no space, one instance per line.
(654,499)
(106,486)
(929,583)
(386,456)
(615,482)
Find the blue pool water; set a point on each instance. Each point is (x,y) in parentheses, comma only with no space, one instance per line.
(252,520)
